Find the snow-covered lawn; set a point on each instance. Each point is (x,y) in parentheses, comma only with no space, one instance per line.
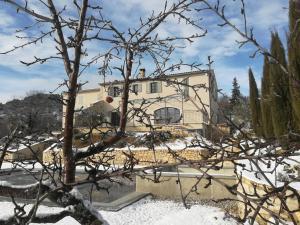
(7,210)
(154,212)
(146,212)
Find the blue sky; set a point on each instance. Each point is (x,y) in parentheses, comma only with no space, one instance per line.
(230,61)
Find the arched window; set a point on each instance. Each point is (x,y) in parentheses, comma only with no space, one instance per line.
(167,115)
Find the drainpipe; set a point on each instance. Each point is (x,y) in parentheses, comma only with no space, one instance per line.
(182,109)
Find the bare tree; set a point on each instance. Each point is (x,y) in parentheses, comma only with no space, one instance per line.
(131,47)
(246,152)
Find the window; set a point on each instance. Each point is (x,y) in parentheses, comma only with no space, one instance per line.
(115,119)
(116,91)
(167,115)
(135,88)
(153,87)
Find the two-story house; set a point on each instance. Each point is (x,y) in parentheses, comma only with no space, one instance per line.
(165,101)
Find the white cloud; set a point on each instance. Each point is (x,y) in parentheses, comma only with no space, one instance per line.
(266,14)
(219,42)
(6,19)
(225,75)
(8,41)
(17,88)
(127,11)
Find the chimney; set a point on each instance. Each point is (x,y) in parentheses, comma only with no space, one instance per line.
(142,73)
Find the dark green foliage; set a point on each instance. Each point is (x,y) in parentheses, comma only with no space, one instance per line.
(235,93)
(238,106)
(224,111)
(294,62)
(255,105)
(240,114)
(280,96)
(266,115)
(37,112)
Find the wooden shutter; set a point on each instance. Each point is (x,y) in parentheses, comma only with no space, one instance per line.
(159,87)
(121,88)
(140,88)
(111,91)
(148,87)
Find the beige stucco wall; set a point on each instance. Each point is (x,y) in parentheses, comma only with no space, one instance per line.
(84,99)
(190,108)
(169,188)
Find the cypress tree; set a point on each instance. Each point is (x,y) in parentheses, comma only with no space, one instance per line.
(280,107)
(266,115)
(255,105)
(294,61)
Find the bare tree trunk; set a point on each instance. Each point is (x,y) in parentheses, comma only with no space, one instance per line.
(2,157)
(69,163)
(125,95)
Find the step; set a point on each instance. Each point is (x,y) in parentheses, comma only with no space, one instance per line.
(109,206)
(45,202)
(121,202)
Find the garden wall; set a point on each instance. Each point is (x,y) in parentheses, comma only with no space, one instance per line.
(28,153)
(143,155)
(274,206)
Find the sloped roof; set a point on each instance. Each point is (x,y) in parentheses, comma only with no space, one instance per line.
(172,75)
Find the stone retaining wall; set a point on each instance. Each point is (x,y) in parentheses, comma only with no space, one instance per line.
(143,156)
(28,153)
(292,202)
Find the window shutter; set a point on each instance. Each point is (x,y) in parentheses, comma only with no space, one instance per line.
(111,91)
(185,88)
(120,89)
(159,87)
(139,87)
(148,87)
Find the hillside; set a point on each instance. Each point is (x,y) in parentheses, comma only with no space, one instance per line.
(37,112)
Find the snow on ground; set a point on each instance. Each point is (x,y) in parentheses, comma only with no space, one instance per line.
(144,212)
(19,165)
(192,142)
(23,144)
(154,212)
(68,220)
(4,183)
(271,169)
(7,210)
